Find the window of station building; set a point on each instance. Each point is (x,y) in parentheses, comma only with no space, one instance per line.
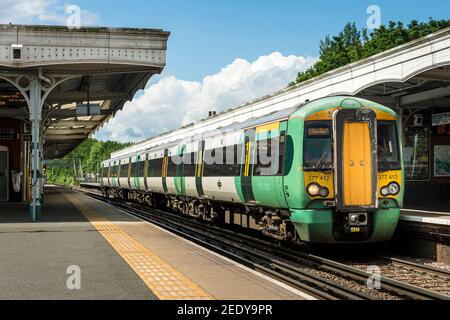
(155,168)
(270,157)
(189,165)
(416,152)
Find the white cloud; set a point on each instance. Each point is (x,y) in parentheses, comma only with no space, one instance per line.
(40,12)
(171,102)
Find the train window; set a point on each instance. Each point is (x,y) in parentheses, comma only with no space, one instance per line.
(270,157)
(318,146)
(172,166)
(223,162)
(155,168)
(140,168)
(137,169)
(213,162)
(124,171)
(114,171)
(232,156)
(189,164)
(388,146)
(133,169)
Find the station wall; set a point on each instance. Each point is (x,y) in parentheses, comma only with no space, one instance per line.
(426,135)
(11,137)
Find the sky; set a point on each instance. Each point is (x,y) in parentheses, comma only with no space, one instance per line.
(221,53)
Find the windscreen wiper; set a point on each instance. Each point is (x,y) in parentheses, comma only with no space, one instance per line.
(319,165)
(386,163)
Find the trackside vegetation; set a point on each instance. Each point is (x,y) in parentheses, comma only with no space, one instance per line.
(90,154)
(353,44)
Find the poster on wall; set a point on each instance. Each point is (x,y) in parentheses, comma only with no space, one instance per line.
(442,161)
(441,119)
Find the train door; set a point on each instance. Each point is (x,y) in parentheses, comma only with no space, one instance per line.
(4,174)
(130,174)
(199,169)
(279,186)
(355,158)
(164,170)
(179,180)
(247,167)
(146,170)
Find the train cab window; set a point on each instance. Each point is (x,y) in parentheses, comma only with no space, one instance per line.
(318,146)
(388,146)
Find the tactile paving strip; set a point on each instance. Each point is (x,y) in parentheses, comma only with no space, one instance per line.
(163,280)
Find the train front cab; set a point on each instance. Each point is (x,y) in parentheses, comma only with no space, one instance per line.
(351,172)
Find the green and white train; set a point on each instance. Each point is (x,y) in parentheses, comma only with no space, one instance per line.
(335,173)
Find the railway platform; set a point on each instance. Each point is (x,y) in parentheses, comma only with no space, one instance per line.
(85,249)
(425,234)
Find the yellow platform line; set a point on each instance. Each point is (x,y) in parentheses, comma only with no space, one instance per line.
(163,279)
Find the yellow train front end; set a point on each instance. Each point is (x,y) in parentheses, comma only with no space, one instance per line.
(352,172)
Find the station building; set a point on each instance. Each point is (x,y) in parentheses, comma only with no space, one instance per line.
(58,87)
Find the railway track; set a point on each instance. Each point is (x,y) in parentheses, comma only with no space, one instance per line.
(321,277)
(433,279)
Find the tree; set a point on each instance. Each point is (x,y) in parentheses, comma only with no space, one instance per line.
(352,44)
(91,153)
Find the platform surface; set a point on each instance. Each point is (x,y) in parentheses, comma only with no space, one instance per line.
(119,256)
(428,217)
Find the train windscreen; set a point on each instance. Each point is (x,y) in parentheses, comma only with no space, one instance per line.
(388,146)
(318,153)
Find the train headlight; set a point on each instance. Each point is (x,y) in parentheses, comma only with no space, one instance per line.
(314,190)
(324,192)
(394,188)
(385,191)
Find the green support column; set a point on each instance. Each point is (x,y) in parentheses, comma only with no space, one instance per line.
(36,148)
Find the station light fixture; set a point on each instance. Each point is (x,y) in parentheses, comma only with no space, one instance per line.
(16,52)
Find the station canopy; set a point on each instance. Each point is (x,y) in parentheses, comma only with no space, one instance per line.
(87,76)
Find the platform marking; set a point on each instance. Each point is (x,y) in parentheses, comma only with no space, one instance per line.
(163,279)
(234,263)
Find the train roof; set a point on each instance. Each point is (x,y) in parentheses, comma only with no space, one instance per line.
(307,107)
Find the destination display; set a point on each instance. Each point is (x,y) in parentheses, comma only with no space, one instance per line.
(14,99)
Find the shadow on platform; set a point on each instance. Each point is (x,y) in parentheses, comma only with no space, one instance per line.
(56,209)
